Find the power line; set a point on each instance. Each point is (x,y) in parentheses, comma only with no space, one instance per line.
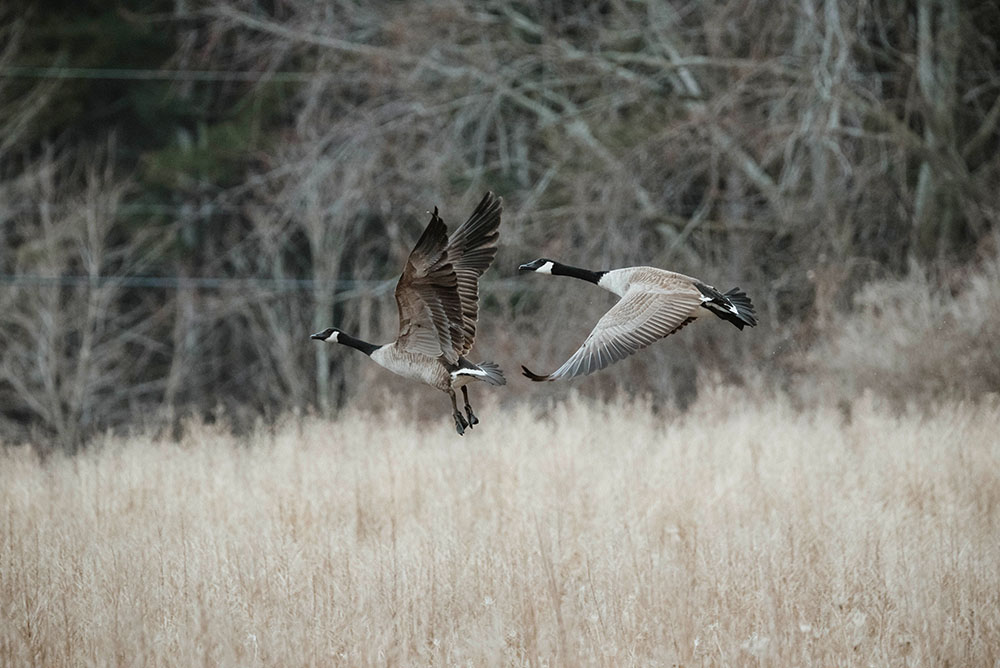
(249,76)
(154,75)
(197,210)
(361,286)
(196,282)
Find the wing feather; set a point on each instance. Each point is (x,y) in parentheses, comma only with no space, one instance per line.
(639,319)
(427,296)
(471,250)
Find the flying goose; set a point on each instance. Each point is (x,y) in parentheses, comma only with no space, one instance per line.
(438,300)
(654,303)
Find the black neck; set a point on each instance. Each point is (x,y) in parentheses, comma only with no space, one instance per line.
(559,269)
(363,346)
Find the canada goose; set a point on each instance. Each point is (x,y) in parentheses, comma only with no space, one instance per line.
(438,300)
(654,303)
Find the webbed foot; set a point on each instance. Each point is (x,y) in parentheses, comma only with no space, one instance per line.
(473,420)
(460,423)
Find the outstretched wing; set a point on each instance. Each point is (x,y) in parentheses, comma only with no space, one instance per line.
(639,319)
(471,250)
(430,309)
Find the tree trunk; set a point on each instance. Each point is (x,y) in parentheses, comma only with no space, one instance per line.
(936,218)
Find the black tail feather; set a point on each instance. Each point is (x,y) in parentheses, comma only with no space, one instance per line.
(722,305)
(494,376)
(747,315)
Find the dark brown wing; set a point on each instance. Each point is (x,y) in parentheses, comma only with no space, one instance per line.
(471,250)
(639,319)
(430,310)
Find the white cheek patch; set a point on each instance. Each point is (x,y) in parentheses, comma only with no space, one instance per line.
(545,268)
(333,337)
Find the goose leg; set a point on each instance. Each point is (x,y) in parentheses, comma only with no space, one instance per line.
(468,409)
(460,423)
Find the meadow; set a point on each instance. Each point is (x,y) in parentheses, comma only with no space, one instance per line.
(743,532)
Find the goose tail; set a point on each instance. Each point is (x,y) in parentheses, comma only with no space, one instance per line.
(745,314)
(492,373)
(734,306)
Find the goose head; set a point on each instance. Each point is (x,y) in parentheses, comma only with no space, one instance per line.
(329,335)
(542,265)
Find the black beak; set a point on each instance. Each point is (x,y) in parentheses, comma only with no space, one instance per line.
(525,267)
(318,336)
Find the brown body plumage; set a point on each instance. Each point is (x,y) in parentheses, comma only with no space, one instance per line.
(438,300)
(654,304)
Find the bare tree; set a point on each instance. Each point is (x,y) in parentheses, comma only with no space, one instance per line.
(75,349)
(800,151)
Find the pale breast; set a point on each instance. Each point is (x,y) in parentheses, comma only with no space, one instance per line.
(616,280)
(412,365)
(650,279)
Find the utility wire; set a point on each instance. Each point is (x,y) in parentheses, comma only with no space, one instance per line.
(153,75)
(135,74)
(197,210)
(361,286)
(198,282)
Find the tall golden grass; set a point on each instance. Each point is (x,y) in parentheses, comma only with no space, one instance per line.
(743,532)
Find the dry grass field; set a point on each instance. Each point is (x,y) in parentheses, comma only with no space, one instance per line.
(583,534)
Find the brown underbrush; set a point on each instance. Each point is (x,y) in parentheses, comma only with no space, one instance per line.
(581,534)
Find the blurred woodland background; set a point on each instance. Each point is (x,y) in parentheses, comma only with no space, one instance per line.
(188,189)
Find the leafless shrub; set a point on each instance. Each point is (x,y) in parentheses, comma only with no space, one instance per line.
(797,151)
(915,339)
(76,350)
(648,133)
